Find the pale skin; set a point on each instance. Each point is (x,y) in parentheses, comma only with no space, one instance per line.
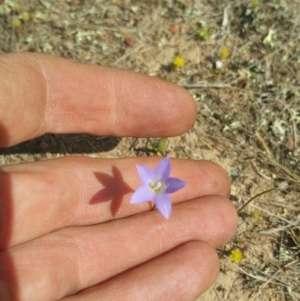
(54,244)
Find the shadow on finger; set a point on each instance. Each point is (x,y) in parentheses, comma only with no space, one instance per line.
(7,271)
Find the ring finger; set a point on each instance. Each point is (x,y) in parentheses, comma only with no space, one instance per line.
(75,258)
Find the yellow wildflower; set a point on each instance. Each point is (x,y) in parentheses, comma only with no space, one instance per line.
(224,53)
(255,214)
(25,16)
(17,7)
(16,23)
(178,62)
(236,255)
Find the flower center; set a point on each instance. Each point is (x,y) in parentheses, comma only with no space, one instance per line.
(157,186)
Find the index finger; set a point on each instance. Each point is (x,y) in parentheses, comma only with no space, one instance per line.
(46,94)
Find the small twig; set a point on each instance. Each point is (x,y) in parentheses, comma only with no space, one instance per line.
(217,294)
(256,169)
(295,237)
(292,176)
(226,22)
(264,284)
(263,143)
(283,228)
(133,143)
(259,278)
(289,224)
(205,85)
(137,49)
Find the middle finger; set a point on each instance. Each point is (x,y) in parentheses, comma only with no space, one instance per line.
(44,196)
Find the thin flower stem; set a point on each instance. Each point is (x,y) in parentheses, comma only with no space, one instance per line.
(253,198)
(262,193)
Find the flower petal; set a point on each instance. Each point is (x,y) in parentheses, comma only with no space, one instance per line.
(163,204)
(162,171)
(174,184)
(141,195)
(145,174)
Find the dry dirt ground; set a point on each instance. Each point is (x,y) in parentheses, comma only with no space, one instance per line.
(242,66)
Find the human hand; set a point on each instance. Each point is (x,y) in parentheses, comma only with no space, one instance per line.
(57,245)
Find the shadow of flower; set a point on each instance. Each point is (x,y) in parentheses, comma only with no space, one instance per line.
(114,190)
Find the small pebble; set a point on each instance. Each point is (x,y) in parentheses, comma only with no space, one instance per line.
(173,29)
(128,41)
(289,144)
(219,64)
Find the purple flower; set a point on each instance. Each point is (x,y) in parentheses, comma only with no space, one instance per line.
(156,185)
